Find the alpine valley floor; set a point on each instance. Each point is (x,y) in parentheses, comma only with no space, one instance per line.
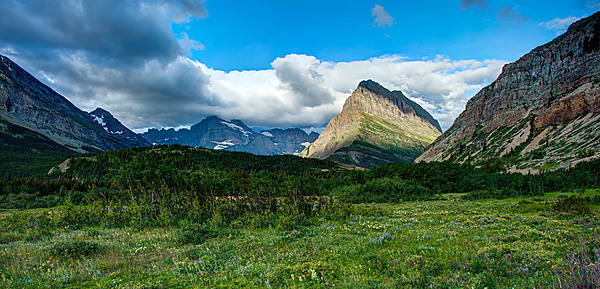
(448,243)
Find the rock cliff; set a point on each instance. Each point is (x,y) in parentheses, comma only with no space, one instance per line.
(376,126)
(541,112)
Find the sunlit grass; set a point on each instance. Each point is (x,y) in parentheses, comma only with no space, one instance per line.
(435,244)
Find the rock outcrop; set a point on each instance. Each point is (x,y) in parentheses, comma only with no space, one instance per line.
(26,102)
(541,112)
(376,126)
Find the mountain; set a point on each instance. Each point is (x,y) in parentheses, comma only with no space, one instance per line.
(216,133)
(115,128)
(542,112)
(376,126)
(28,103)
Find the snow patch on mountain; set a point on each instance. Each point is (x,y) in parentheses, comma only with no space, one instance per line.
(305,144)
(223,144)
(235,126)
(99,120)
(267,134)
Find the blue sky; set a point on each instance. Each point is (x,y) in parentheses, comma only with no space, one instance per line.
(240,36)
(275,63)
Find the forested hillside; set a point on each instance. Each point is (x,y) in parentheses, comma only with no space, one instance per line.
(176,175)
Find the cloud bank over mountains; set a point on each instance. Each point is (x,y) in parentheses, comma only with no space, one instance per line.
(125,58)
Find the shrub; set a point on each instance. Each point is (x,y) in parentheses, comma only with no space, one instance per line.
(75,249)
(503,193)
(575,204)
(195,233)
(385,190)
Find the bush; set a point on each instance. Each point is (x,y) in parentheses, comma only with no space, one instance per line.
(75,249)
(503,193)
(576,204)
(385,190)
(195,233)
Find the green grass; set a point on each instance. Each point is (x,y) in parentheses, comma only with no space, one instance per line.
(449,243)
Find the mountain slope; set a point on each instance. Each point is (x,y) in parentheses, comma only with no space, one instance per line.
(26,102)
(542,111)
(24,152)
(115,128)
(216,133)
(376,126)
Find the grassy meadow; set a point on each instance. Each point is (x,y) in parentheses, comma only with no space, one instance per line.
(180,217)
(448,243)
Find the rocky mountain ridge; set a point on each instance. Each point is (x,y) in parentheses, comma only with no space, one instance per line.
(26,102)
(375,126)
(216,133)
(541,112)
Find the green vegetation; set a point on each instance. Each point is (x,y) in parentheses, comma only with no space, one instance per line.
(179,217)
(24,152)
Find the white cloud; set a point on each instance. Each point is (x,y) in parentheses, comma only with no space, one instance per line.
(266,98)
(382,18)
(559,24)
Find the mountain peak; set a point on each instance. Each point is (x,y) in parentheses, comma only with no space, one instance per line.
(396,98)
(99,111)
(375,126)
(115,128)
(103,114)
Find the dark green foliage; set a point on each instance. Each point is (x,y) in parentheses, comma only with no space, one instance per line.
(24,152)
(385,190)
(75,249)
(195,233)
(576,204)
(441,177)
(145,187)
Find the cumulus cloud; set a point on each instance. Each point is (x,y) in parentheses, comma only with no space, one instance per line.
(275,97)
(559,25)
(466,4)
(299,75)
(382,18)
(511,15)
